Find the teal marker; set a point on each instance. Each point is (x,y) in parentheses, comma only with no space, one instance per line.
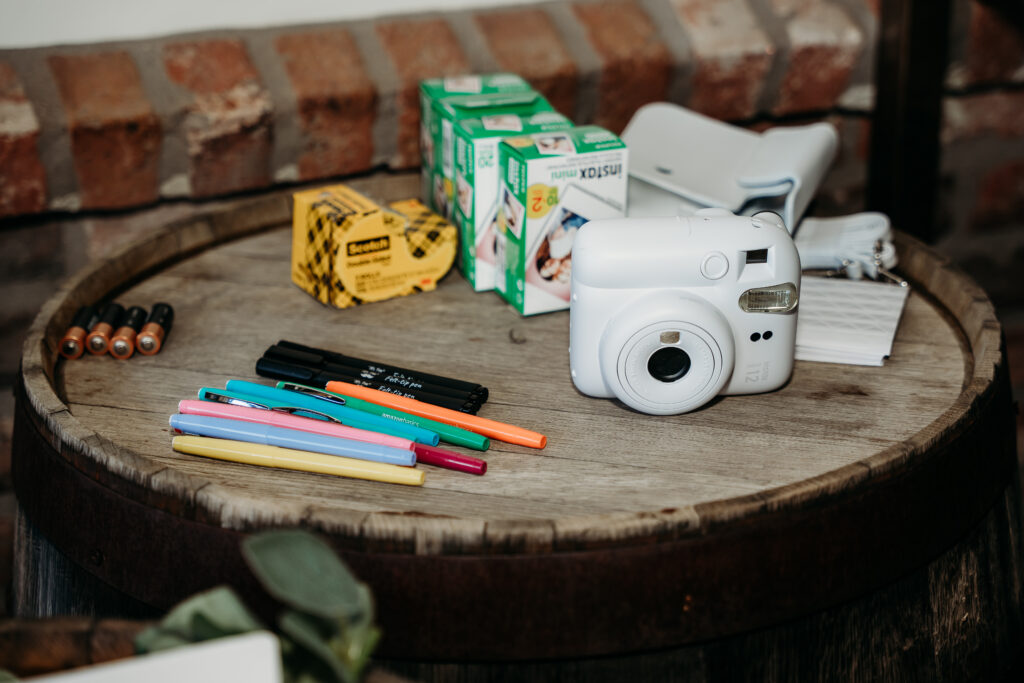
(347,416)
(448,433)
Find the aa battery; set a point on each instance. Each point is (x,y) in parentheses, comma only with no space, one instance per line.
(99,336)
(156,329)
(122,344)
(72,344)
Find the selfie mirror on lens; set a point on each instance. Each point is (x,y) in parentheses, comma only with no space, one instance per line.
(685,309)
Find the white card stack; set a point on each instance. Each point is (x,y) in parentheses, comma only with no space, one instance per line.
(847,321)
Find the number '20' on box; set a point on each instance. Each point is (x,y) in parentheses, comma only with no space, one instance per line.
(551,184)
(444,101)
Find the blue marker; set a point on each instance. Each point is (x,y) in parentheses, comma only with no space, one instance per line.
(251,432)
(347,416)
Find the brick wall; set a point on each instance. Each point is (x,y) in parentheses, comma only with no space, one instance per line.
(123,125)
(982,174)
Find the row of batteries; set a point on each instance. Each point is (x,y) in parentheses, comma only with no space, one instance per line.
(117,331)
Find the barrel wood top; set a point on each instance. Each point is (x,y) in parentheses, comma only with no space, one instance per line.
(608,475)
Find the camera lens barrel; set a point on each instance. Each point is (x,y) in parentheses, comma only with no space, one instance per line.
(668,364)
(668,354)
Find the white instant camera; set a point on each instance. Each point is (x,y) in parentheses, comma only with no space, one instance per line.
(667,313)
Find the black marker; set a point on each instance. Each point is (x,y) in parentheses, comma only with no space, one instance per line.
(433,382)
(275,368)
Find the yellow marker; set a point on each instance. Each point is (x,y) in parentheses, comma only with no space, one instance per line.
(292,459)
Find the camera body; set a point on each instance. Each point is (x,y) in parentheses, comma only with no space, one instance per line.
(667,313)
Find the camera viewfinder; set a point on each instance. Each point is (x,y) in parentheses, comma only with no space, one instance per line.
(757,256)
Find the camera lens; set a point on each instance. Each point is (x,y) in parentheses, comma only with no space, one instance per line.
(668,364)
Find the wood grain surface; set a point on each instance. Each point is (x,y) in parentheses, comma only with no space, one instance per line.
(607,474)
(602,459)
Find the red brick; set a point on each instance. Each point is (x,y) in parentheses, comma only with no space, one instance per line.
(336,101)
(228,125)
(22,178)
(732,56)
(995,48)
(824,47)
(114,639)
(418,49)
(999,114)
(36,646)
(1000,198)
(636,65)
(115,136)
(527,42)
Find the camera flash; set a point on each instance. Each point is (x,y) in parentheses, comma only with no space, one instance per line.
(669,338)
(775,299)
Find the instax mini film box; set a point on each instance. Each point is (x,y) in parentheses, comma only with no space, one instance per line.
(550,185)
(478,91)
(476,185)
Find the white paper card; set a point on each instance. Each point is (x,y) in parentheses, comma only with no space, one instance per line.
(251,657)
(847,321)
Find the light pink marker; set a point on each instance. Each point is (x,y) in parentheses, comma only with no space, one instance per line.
(280,419)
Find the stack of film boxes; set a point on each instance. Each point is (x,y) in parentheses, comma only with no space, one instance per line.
(518,179)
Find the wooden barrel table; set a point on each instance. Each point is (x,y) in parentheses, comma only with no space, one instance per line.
(861,523)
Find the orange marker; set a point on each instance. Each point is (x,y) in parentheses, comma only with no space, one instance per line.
(480,425)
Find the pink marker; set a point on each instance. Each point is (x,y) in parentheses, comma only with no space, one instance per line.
(277,418)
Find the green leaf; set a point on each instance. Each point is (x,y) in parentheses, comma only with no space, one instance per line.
(354,647)
(303,572)
(155,639)
(305,634)
(212,614)
(204,628)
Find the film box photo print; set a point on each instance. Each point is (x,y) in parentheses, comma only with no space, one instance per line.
(551,184)
(476,185)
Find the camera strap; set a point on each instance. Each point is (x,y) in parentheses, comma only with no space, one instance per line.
(682,161)
(717,164)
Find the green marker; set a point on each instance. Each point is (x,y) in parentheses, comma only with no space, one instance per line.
(448,433)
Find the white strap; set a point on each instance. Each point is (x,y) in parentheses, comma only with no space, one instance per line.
(716,164)
(859,244)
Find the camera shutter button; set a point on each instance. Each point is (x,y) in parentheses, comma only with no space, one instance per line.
(714,266)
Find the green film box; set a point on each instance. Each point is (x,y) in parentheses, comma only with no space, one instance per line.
(476,184)
(444,100)
(550,185)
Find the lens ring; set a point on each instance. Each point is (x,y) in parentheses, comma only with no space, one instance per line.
(690,388)
(651,322)
(668,364)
